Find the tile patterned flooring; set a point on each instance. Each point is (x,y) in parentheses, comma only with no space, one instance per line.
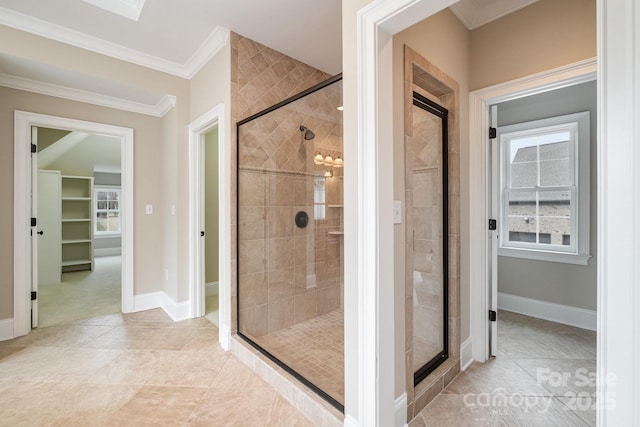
(542,376)
(133,370)
(314,349)
(144,369)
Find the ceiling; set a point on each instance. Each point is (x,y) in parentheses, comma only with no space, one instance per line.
(179,36)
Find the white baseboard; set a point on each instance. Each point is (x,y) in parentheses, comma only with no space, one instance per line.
(176,310)
(466,354)
(567,315)
(400,411)
(399,414)
(349,421)
(211,288)
(107,251)
(148,301)
(6,329)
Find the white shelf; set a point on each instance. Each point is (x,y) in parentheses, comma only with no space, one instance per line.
(77,245)
(335,206)
(76,262)
(336,233)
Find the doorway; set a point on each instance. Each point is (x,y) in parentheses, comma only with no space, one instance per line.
(77,209)
(211,122)
(211,219)
(79,233)
(484,291)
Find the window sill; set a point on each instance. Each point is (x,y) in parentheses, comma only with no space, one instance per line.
(107,236)
(549,256)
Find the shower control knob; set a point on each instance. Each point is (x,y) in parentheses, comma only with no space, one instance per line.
(302,219)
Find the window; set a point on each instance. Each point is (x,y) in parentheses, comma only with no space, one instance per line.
(544,189)
(107,211)
(319,185)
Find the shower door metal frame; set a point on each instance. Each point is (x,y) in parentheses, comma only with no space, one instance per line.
(333,402)
(441,112)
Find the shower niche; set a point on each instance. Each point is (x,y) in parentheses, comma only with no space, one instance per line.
(290,237)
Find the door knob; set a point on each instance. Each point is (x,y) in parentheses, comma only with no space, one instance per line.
(41,232)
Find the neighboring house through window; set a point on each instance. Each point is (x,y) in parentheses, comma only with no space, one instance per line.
(544,189)
(107,210)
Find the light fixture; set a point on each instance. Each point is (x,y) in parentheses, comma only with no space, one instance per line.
(340,108)
(318,159)
(328,173)
(337,162)
(328,160)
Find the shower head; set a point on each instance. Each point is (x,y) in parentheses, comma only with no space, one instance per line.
(307,134)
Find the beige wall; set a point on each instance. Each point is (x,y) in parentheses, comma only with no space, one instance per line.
(147,157)
(545,35)
(212,84)
(211,207)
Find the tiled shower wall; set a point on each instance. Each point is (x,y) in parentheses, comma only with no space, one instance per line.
(260,78)
(287,274)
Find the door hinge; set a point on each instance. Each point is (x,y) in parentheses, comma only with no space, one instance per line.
(33,222)
(493,316)
(493,224)
(34,295)
(34,148)
(493,132)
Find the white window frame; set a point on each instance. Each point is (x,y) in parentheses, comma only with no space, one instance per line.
(319,198)
(105,234)
(578,252)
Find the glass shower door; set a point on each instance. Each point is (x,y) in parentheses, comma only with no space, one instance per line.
(426,175)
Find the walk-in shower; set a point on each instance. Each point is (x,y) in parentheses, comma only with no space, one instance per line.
(290,237)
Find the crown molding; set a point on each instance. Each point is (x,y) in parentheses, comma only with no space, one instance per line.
(159,110)
(216,41)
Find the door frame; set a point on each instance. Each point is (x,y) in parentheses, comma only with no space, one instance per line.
(22,245)
(482,257)
(215,117)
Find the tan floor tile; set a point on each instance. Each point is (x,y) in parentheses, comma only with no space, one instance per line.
(186,369)
(456,410)
(503,376)
(584,407)
(224,407)
(539,411)
(166,406)
(562,376)
(55,364)
(236,375)
(70,335)
(284,414)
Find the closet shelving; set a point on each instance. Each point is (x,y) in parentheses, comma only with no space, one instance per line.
(77,223)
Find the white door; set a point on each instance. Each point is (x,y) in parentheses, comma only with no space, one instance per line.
(49,229)
(494,234)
